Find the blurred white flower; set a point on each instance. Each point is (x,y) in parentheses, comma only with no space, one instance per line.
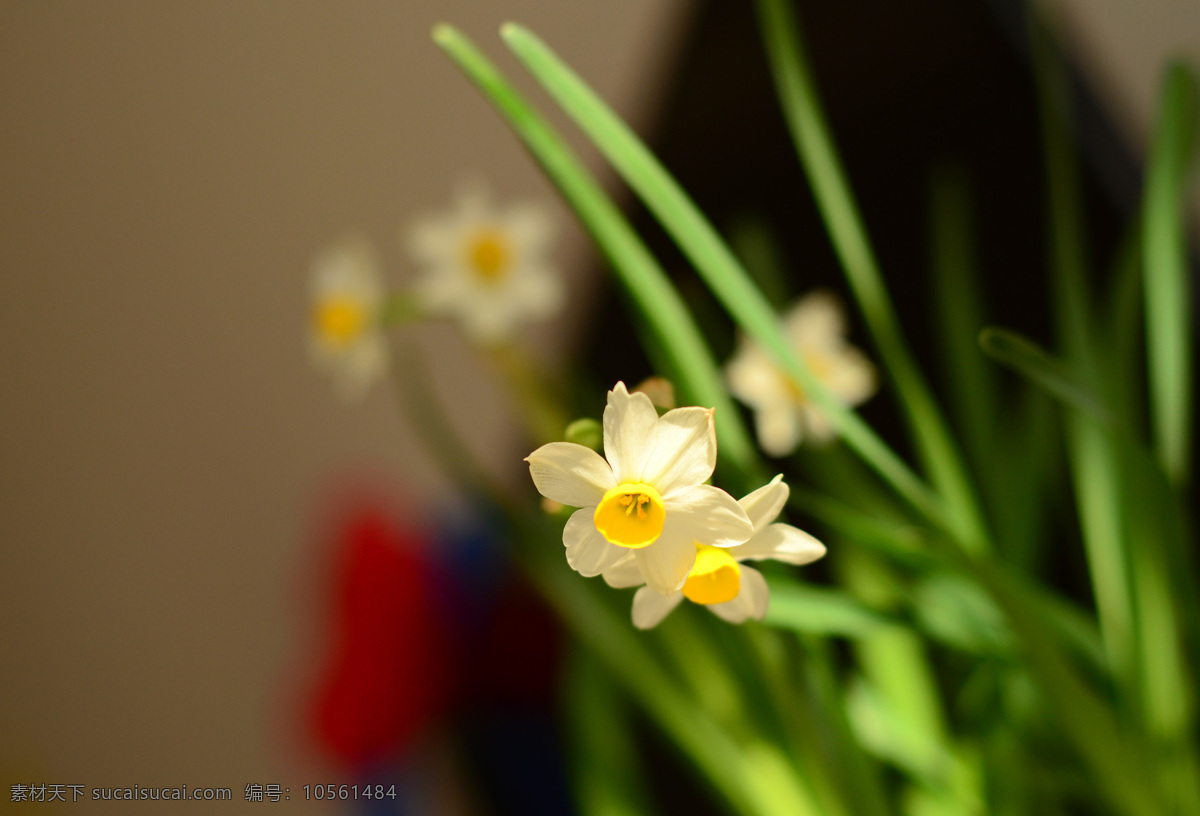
(486,266)
(719,580)
(345,337)
(784,416)
(648,502)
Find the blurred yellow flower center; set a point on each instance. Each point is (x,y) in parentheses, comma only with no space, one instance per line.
(489,255)
(340,320)
(819,365)
(716,578)
(630,515)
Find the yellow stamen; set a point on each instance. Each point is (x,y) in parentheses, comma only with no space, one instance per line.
(489,254)
(716,578)
(630,515)
(340,320)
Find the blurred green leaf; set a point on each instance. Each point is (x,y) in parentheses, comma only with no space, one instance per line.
(1094,470)
(1168,291)
(831,189)
(958,612)
(711,257)
(757,247)
(960,315)
(587,432)
(1116,759)
(822,611)
(606,765)
(693,369)
(1026,358)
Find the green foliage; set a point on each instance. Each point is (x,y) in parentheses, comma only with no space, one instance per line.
(970,676)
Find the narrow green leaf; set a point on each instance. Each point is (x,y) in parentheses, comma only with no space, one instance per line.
(843,780)
(1123,350)
(1094,470)
(895,663)
(831,189)
(697,375)
(708,253)
(818,610)
(839,758)
(721,759)
(1068,262)
(898,540)
(960,317)
(757,247)
(1118,769)
(1168,293)
(1027,358)
(1025,473)
(605,770)
(958,612)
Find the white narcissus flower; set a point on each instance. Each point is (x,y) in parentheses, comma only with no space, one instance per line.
(783,414)
(485,266)
(345,336)
(719,580)
(648,501)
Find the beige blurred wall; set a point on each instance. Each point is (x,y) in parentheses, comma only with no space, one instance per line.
(1121,47)
(167,172)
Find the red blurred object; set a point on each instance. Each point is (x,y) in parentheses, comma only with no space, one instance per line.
(390,670)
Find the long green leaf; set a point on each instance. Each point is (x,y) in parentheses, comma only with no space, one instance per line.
(1168,292)
(960,316)
(1094,469)
(1027,358)
(818,610)
(708,253)
(831,189)
(1118,768)
(615,645)
(699,379)
(606,765)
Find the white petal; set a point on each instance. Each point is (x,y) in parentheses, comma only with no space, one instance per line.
(753,378)
(816,321)
(624,574)
(531,228)
(683,450)
(629,421)
(588,552)
(570,474)
(751,602)
(665,564)
(650,607)
(441,291)
(764,504)
(817,427)
(349,268)
(534,292)
(852,377)
(434,241)
(485,320)
(474,199)
(782,542)
(707,515)
(779,428)
(355,369)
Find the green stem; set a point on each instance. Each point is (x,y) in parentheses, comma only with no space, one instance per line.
(831,189)
(673,328)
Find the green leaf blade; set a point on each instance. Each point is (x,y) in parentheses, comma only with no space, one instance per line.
(705,249)
(657,300)
(1167,290)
